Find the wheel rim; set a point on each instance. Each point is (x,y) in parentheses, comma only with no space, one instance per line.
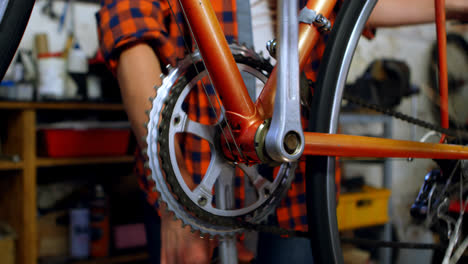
(3,7)
(321,179)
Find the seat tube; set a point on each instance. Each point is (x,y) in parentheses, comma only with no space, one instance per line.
(216,54)
(442,62)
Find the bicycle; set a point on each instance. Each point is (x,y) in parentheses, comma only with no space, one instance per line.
(14,16)
(223,70)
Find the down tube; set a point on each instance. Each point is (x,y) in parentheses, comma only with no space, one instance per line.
(217,57)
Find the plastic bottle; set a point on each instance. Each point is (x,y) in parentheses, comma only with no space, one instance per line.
(77,69)
(79,232)
(100,228)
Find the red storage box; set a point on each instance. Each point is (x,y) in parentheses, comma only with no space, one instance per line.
(88,142)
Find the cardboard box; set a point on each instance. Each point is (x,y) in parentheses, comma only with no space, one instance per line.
(7,244)
(53,237)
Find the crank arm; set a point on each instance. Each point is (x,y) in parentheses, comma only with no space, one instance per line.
(285,140)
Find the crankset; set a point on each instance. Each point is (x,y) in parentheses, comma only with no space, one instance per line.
(172,119)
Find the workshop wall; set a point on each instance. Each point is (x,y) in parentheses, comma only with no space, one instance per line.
(84,29)
(412,45)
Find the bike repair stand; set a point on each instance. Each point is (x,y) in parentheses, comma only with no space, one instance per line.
(224,191)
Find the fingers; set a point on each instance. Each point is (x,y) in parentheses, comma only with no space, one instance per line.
(197,252)
(180,246)
(243,254)
(163,255)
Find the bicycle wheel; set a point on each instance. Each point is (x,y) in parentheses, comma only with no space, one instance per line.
(320,180)
(14,16)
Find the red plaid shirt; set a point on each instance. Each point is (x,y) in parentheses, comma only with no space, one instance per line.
(124,22)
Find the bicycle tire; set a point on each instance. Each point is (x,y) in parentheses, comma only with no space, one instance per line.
(12,26)
(320,171)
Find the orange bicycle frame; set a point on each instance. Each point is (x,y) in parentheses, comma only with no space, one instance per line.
(245,117)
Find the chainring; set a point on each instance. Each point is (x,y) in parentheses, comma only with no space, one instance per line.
(167,119)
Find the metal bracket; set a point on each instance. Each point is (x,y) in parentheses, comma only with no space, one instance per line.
(310,16)
(271,46)
(224,190)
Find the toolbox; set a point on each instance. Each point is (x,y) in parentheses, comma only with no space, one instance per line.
(369,207)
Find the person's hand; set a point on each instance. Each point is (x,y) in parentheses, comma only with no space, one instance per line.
(457,9)
(180,246)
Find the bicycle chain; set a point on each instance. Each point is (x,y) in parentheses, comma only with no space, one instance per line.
(457,133)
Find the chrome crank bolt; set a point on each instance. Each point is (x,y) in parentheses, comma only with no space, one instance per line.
(176,120)
(202,201)
(292,142)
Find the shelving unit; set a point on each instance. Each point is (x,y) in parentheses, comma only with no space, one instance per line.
(10,165)
(60,106)
(18,202)
(53,162)
(386,121)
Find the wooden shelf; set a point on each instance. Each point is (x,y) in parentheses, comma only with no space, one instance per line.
(10,165)
(20,209)
(116,260)
(60,106)
(53,162)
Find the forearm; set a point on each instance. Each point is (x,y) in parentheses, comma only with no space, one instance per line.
(392,13)
(138,71)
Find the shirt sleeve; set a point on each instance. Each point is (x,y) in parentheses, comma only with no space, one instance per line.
(122,23)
